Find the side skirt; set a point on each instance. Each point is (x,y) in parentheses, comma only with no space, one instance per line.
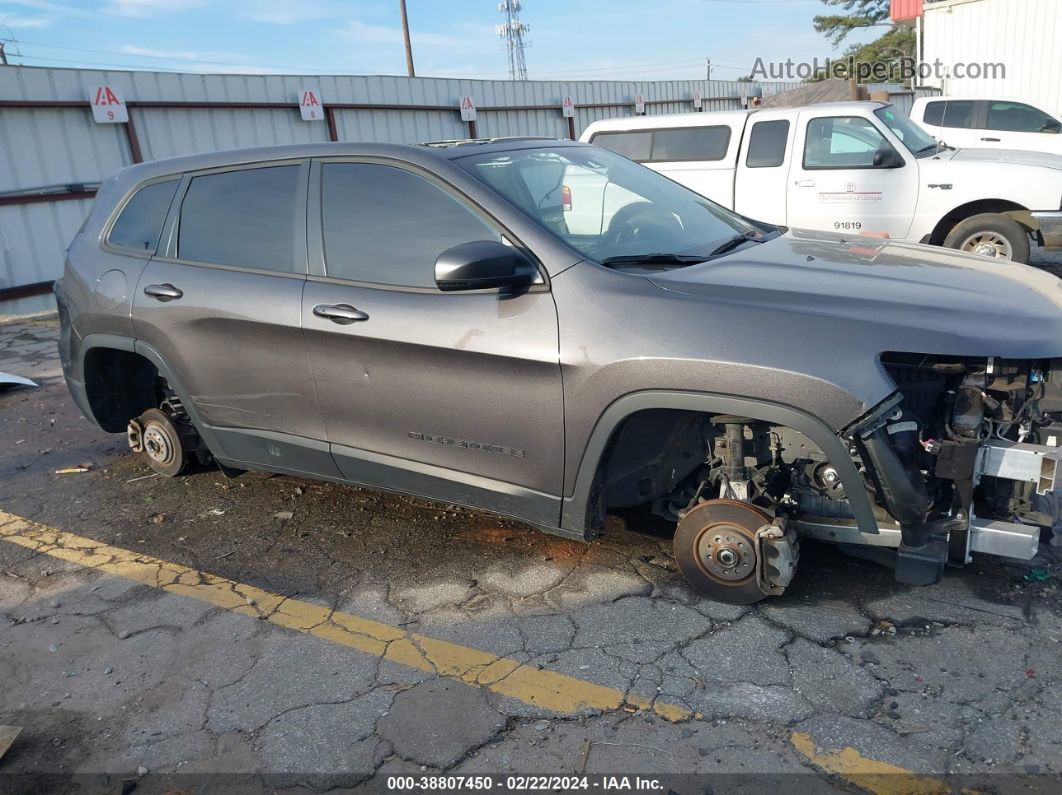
(311,458)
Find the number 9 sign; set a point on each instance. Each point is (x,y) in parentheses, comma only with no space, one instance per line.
(108,105)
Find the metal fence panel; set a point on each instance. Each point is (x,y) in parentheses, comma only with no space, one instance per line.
(176,114)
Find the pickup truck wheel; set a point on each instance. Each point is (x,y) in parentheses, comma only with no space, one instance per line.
(155,436)
(991,235)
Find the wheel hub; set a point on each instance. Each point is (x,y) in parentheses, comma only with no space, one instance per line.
(988,244)
(157,445)
(725,552)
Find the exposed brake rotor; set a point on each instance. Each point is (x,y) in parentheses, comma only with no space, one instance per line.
(735,551)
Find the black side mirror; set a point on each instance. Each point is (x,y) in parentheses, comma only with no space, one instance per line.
(1052,126)
(887,157)
(483,264)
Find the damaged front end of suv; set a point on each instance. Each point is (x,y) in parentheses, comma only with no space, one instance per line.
(963,457)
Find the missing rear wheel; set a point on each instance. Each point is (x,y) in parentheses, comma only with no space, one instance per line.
(155,436)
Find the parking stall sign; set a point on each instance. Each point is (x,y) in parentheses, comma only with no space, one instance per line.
(568,108)
(639,104)
(310,105)
(468,109)
(108,105)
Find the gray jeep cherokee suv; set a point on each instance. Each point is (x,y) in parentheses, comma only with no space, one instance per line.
(448,321)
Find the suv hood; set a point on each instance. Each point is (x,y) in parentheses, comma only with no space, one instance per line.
(907,297)
(1015,156)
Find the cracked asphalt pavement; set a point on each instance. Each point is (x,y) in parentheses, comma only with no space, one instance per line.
(309,635)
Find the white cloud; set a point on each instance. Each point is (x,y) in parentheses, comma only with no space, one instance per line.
(197,60)
(180,55)
(148,8)
(475,36)
(286,12)
(14,21)
(47,5)
(205,67)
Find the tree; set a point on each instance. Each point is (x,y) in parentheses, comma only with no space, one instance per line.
(861,14)
(891,49)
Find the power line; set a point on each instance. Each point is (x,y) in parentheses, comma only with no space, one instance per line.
(560,73)
(205,56)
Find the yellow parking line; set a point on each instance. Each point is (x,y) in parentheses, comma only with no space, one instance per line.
(881,778)
(546,689)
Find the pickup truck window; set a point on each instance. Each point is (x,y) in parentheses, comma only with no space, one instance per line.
(690,143)
(917,140)
(140,224)
(604,206)
(386,225)
(637,146)
(951,113)
(841,142)
(1018,117)
(767,144)
(668,144)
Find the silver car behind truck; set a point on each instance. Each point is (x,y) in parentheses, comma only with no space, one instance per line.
(421,319)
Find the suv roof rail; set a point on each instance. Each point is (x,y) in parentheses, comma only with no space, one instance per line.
(481,141)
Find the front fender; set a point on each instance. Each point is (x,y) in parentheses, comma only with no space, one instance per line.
(575,508)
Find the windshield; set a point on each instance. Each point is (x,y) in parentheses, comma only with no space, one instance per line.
(607,207)
(914,137)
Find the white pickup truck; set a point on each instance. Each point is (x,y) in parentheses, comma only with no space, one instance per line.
(989,123)
(849,167)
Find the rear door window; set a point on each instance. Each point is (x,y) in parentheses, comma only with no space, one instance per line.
(385,225)
(767,143)
(139,225)
(636,145)
(244,218)
(957,114)
(1018,117)
(690,143)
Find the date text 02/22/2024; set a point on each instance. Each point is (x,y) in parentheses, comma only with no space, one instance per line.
(541,783)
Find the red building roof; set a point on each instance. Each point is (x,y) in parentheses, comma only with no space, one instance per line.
(903,10)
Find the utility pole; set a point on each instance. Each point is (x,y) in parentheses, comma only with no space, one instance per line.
(405,35)
(707,68)
(3,55)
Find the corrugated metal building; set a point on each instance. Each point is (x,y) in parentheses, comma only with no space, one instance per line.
(52,153)
(1023,35)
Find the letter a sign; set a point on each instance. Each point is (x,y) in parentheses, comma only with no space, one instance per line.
(108,106)
(310,105)
(468,109)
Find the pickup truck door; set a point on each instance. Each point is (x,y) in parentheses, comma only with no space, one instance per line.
(834,184)
(763,167)
(1016,125)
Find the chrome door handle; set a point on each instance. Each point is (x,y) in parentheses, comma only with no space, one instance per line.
(344,314)
(805,183)
(163,292)
(992,140)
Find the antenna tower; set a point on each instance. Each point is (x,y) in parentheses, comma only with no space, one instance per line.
(513,31)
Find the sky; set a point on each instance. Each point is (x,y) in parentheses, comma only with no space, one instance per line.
(569,39)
